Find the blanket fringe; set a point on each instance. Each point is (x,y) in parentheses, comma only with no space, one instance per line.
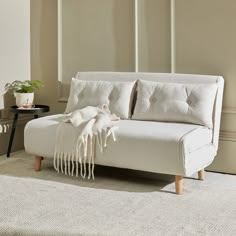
(84,155)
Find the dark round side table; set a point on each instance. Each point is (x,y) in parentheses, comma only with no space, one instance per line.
(36,110)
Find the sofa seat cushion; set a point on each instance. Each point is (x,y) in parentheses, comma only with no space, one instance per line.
(160,147)
(143,145)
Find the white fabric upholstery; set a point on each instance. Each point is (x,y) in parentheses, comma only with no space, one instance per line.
(159,147)
(94,93)
(170,148)
(143,145)
(40,135)
(188,103)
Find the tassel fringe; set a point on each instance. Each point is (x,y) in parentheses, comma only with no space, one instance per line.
(70,163)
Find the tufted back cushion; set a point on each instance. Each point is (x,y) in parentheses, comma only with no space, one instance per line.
(118,96)
(190,103)
(168,78)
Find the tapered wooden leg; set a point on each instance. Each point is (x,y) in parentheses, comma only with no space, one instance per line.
(37,163)
(201,174)
(178,184)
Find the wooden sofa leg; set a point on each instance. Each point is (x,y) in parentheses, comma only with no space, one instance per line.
(201,174)
(37,163)
(178,184)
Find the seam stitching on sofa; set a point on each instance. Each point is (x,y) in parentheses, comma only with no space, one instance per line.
(209,144)
(181,147)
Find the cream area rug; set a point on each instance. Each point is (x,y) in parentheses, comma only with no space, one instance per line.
(32,205)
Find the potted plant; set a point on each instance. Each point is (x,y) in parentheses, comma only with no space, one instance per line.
(24,91)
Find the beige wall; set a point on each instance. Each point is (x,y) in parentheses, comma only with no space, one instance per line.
(14,61)
(154,36)
(205,39)
(42,48)
(14,42)
(44,52)
(95,36)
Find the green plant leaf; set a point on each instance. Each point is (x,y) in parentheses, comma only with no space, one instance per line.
(27,86)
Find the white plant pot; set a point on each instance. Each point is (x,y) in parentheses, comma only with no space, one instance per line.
(24,99)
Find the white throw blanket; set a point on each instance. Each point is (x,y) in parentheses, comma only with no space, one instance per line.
(76,138)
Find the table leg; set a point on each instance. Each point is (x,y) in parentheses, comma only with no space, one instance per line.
(12,134)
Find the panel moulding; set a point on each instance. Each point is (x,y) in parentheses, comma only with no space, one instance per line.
(172,34)
(59,38)
(136,35)
(228,136)
(229,110)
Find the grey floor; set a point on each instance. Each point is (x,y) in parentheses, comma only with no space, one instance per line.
(21,164)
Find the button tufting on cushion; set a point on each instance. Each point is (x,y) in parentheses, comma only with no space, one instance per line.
(81,95)
(94,93)
(189,101)
(174,102)
(153,98)
(110,97)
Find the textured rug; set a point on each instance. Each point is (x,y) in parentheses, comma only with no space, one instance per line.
(30,206)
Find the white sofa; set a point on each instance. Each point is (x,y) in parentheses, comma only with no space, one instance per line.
(157,142)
